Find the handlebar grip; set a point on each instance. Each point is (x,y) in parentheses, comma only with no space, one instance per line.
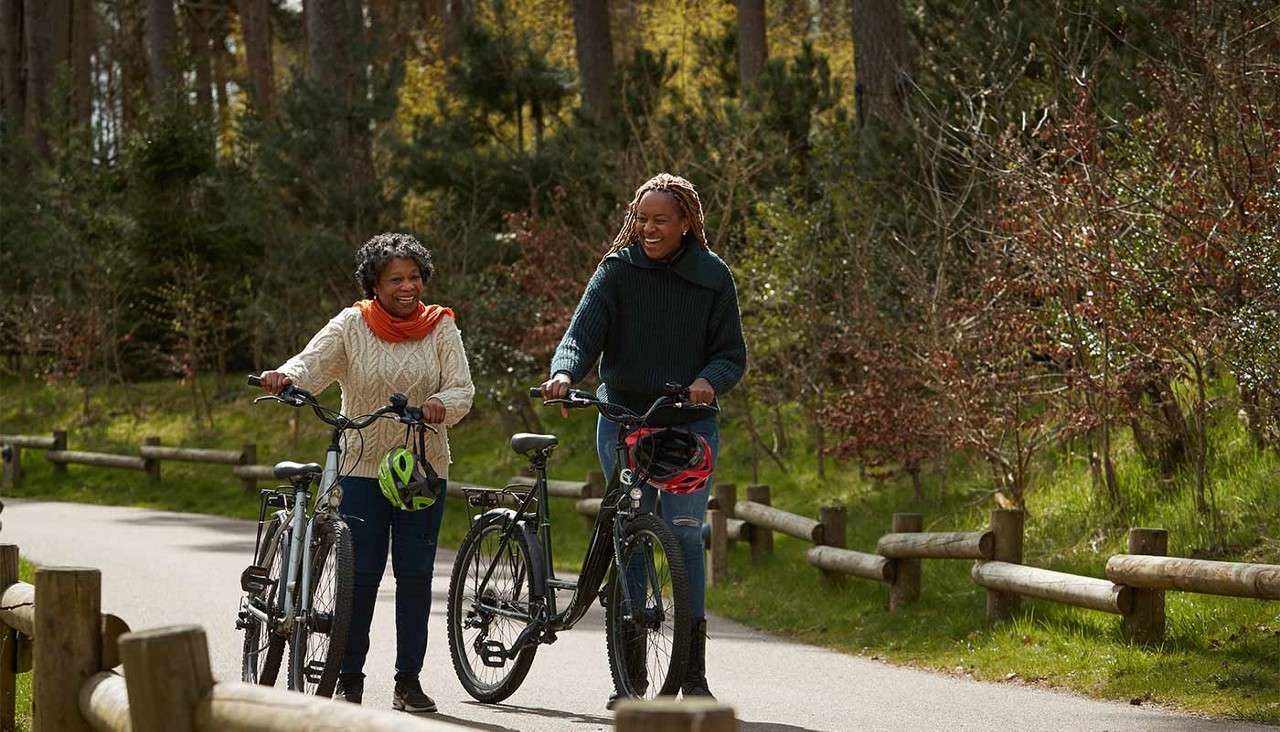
(254,380)
(535,392)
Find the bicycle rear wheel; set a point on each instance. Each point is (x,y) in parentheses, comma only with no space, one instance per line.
(263,647)
(484,622)
(320,640)
(647,628)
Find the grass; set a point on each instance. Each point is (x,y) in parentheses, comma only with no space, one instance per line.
(1221,655)
(22,705)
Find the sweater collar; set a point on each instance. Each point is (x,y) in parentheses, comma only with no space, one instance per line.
(693,263)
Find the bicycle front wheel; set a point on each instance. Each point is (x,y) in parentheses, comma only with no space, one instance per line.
(485,617)
(647,627)
(263,646)
(320,639)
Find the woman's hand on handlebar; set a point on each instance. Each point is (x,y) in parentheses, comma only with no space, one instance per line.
(433,410)
(273,382)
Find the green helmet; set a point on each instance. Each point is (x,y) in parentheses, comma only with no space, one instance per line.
(405,482)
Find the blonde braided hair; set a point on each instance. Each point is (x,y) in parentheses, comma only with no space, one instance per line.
(686,198)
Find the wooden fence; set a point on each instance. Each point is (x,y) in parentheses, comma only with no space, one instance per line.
(56,630)
(1134,586)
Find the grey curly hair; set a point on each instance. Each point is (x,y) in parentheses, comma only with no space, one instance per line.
(376,252)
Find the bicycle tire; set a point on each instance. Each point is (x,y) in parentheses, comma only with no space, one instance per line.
(319,643)
(665,655)
(506,584)
(259,664)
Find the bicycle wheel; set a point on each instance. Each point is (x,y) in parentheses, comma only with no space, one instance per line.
(320,640)
(263,647)
(483,623)
(647,630)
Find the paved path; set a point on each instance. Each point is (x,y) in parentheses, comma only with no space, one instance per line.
(161,568)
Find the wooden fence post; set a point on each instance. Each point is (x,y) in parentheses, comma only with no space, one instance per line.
(8,644)
(669,715)
(719,547)
(167,673)
(833,519)
(1146,623)
(11,473)
(59,443)
(68,645)
(151,465)
(249,456)
(1007,526)
(725,496)
(906,581)
(761,538)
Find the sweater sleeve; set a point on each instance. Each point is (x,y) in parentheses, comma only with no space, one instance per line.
(456,389)
(323,361)
(582,343)
(727,348)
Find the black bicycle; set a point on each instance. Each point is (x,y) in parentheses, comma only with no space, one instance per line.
(502,595)
(299,588)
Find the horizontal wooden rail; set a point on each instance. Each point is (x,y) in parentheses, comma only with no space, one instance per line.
(104,702)
(101,459)
(35,442)
(768,517)
(257,472)
(938,545)
(234,706)
(192,454)
(588,506)
(1071,589)
(1235,579)
(737,529)
(847,561)
(559,488)
(18,608)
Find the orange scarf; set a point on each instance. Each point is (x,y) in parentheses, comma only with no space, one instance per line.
(393,330)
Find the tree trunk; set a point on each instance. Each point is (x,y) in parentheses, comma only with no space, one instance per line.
(595,55)
(131,53)
(13,88)
(197,27)
(456,16)
(84,29)
(38,26)
(162,48)
(883,59)
(255,25)
(222,64)
(752,42)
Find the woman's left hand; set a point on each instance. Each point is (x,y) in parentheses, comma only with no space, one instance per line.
(701,391)
(433,410)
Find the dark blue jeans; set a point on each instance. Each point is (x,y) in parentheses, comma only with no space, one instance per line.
(682,512)
(411,535)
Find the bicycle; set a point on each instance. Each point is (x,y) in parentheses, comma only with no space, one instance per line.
(502,600)
(304,597)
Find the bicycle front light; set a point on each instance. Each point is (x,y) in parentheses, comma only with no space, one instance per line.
(635,494)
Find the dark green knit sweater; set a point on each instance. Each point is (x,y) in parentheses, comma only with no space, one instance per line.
(650,322)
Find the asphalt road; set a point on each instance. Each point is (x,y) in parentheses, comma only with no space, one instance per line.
(161,568)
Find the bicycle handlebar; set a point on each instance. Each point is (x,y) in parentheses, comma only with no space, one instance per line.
(577,399)
(398,404)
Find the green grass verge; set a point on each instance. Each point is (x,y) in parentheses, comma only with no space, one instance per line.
(1221,655)
(22,705)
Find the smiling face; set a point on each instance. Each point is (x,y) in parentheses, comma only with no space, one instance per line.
(659,225)
(399,287)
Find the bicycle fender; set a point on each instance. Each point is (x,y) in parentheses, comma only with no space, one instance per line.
(537,578)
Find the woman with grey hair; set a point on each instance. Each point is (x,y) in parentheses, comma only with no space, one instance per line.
(389,342)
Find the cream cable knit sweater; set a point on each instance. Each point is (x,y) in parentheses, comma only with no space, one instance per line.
(369,369)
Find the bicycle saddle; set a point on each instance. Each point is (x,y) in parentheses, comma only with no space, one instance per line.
(525,442)
(289,469)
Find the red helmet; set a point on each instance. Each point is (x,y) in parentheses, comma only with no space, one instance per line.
(674,460)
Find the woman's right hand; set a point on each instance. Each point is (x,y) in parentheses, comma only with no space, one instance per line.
(557,387)
(273,382)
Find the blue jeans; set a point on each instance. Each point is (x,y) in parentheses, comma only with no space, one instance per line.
(682,512)
(412,535)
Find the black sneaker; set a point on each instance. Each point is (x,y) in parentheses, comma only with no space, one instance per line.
(350,687)
(409,697)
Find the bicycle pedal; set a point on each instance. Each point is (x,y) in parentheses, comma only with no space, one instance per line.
(254,579)
(313,671)
(492,654)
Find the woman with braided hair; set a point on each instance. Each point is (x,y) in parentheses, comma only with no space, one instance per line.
(660,308)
